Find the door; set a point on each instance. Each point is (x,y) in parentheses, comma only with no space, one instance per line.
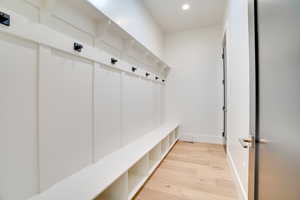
(278,96)
(224,83)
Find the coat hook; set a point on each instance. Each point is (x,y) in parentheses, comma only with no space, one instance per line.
(156,77)
(133,69)
(147,74)
(163,81)
(4,19)
(78,47)
(113,61)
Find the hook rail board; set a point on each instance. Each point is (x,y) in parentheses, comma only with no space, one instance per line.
(23,28)
(123,172)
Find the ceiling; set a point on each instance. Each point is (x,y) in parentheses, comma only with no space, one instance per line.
(171,18)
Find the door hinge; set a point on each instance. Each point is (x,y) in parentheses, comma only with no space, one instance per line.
(223,56)
(223,82)
(223,134)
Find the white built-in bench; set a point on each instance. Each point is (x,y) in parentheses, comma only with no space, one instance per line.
(120,175)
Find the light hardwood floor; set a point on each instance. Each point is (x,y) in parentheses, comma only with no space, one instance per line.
(191,172)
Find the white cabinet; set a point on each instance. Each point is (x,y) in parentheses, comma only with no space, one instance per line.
(65,115)
(18,118)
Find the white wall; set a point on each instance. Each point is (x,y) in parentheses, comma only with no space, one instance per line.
(238,89)
(132,16)
(194,89)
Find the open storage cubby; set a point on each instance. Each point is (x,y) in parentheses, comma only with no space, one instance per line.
(137,174)
(172,137)
(155,156)
(165,145)
(117,191)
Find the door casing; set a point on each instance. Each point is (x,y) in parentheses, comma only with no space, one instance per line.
(253,56)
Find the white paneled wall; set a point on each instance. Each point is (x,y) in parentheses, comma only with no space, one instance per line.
(157,104)
(18,118)
(65,115)
(107,102)
(67,18)
(145,113)
(135,107)
(61,110)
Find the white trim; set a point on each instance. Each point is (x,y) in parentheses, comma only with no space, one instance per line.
(242,194)
(201,138)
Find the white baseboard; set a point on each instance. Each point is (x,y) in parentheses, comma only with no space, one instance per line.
(201,138)
(242,194)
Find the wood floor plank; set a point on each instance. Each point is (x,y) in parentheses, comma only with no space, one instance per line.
(191,171)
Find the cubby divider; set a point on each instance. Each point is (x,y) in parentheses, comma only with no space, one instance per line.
(155,156)
(117,191)
(176,134)
(137,174)
(172,137)
(165,145)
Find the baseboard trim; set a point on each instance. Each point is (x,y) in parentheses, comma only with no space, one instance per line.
(201,138)
(242,194)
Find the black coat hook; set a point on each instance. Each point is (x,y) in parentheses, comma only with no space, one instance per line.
(78,47)
(147,74)
(156,77)
(113,61)
(133,69)
(4,19)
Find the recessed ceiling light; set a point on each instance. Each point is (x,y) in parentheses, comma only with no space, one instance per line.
(186,6)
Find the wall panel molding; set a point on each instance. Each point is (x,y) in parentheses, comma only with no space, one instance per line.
(18,118)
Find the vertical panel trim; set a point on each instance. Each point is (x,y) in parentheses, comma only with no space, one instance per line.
(44,58)
(121,109)
(95,65)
